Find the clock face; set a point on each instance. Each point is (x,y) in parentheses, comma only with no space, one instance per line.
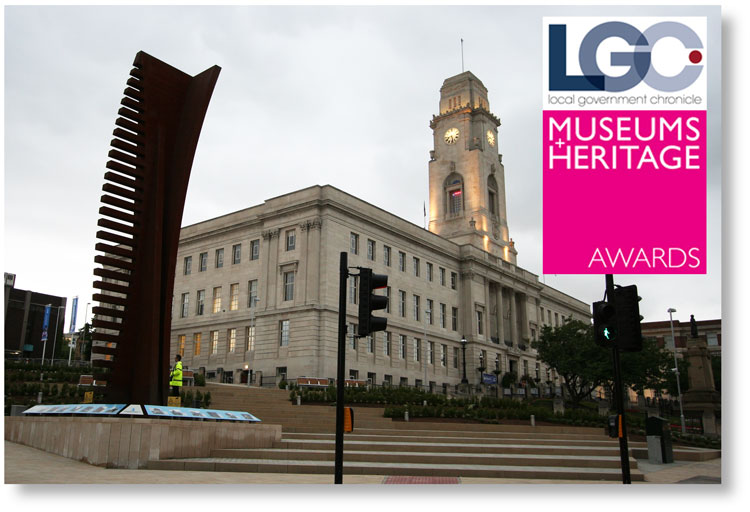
(451,136)
(491,138)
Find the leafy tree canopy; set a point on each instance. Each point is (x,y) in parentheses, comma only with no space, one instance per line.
(571,351)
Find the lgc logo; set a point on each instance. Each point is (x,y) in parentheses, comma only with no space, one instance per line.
(638,61)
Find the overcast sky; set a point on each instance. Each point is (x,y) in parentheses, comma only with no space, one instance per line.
(339,95)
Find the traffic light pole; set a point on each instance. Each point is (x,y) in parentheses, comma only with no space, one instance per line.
(622,432)
(339,460)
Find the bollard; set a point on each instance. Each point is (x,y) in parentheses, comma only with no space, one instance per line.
(299,400)
(424,403)
(533,421)
(406,415)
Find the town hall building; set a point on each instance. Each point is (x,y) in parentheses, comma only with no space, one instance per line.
(256,291)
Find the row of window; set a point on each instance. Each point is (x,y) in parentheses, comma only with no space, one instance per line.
(234,297)
(290,244)
(232,346)
(416,262)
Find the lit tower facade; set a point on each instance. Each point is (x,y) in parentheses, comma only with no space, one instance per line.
(467,176)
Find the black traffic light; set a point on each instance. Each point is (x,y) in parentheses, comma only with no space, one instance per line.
(605,324)
(369,302)
(625,301)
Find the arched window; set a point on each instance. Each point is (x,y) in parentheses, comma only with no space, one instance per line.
(454,190)
(492,196)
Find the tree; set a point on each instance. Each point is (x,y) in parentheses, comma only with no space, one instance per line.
(85,336)
(571,351)
(647,369)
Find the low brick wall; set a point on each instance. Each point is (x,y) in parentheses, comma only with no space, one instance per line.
(132,442)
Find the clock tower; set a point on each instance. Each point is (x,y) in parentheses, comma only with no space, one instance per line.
(467,177)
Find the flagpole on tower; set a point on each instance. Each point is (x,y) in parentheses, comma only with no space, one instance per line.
(462,55)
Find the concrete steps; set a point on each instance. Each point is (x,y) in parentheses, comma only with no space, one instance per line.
(381,446)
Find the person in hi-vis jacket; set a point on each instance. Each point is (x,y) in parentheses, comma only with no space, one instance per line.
(175,376)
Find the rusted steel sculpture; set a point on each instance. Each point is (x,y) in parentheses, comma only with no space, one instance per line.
(144,194)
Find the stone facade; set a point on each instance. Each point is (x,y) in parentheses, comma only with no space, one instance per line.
(286,253)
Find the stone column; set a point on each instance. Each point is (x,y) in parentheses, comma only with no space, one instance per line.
(269,276)
(513,317)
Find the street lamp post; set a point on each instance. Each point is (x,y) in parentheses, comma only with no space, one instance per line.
(426,312)
(676,368)
(253,303)
(463,348)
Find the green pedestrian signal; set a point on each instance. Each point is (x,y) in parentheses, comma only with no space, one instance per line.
(605,326)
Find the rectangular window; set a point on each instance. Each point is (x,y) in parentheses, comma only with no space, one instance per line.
(354,243)
(415,261)
(254,249)
(353,289)
(429,272)
(202,261)
(541,310)
(388,296)
(402,261)
(454,319)
(442,276)
(431,352)
(200,302)
(416,307)
(236,254)
(284,333)
(289,285)
(185,305)
(291,239)
(483,359)
(480,327)
(219,258)
(250,337)
(417,349)
(181,345)
(351,333)
(187,265)
(252,293)
(712,339)
(454,280)
(217,300)
(443,355)
(669,342)
(232,339)
(197,344)
(442,315)
(401,303)
(214,335)
(234,297)
(386,256)
(387,344)
(549,317)
(455,357)
(370,344)
(371,250)
(401,346)
(429,311)
(557,320)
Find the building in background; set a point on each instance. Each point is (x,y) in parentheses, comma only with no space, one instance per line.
(256,291)
(662,332)
(24,318)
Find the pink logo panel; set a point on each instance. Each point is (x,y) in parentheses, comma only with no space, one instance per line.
(624,192)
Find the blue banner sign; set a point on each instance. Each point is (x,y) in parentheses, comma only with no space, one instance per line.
(73,312)
(489,378)
(45,323)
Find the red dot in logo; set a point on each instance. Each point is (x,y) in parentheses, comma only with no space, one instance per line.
(695,57)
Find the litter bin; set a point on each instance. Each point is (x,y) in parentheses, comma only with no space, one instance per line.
(659,441)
